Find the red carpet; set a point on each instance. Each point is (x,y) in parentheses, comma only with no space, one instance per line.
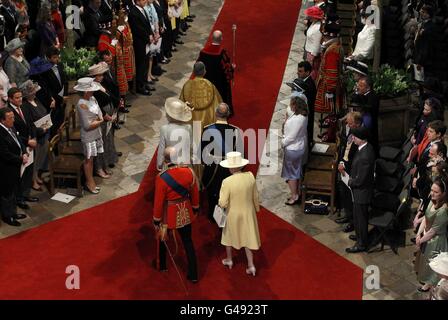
(113,244)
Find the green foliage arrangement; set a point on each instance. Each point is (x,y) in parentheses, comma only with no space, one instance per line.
(77,62)
(388,82)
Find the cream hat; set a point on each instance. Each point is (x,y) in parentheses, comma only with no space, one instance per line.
(177,109)
(86,84)
(439,264)
(234,160)
(98,68)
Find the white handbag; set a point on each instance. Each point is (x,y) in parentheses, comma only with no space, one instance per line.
(220,216)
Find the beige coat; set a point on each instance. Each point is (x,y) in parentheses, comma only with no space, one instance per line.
(239,195)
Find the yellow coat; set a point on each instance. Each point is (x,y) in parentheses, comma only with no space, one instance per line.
(239,195)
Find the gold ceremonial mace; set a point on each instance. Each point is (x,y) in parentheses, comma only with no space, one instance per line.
(234,53)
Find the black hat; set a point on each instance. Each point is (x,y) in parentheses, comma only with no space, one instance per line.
(358,101)
(331,25)
(359,67)
(360,133)
(297,85)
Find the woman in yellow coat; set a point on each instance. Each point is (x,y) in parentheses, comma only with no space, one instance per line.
(239,195)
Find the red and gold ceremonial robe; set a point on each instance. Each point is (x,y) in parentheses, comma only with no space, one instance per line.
(128,51)
(329,79)
(169,206)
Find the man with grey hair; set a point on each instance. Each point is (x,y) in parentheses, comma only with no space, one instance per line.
(219,67)
(217,140)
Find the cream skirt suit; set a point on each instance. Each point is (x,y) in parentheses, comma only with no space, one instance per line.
(239,195)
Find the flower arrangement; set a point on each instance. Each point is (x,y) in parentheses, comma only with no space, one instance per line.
(77,62)
(388,82)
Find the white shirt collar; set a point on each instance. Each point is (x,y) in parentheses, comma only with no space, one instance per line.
(362,146)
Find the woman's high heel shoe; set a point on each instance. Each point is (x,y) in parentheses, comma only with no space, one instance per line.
(228,263)
(251,270)
(95,191)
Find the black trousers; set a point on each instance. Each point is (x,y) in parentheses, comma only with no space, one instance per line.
(346,200)
(361,223)
(142,63)
(25,183)
(185,235)
(8,206)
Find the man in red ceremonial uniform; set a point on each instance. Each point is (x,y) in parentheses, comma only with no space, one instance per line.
(219,67)
(329,95)
(176,205)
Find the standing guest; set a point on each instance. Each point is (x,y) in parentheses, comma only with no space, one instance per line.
(26,132)
(239,196)
(127,44)
(16,66)
(371,101)
(12,157)
(58,22)
(90,118)
(92,19)
(217,140)
(56,84)
(431,235)
(165,29)
(108,104)
(143,37)
(22,13)
(8,11)
(177,132)
(361,181)
(295,145)
(304,72)
(176,205)
(37,110)
(346,154)
(156,41)
(430,112)
(46,29)
(38,67)
(219,68)
(313,38)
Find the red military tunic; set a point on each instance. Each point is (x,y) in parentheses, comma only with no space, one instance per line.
(328,79)
(128,51)
(179,212)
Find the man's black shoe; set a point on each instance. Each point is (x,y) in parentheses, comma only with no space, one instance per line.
(12,222)
(149,88)
(413,240)
(111,166)
(144,92)
(120,121)
(128,105)
(23,205)
(342,220)
(123,110)
(179,42)
(355,249)
(32,199)
(174,49)
(19,216)
(349,228)
(119,154)
(352,237)
(192,279)
(116,126)
(189,19)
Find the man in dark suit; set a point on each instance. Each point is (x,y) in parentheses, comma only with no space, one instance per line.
(361,181)
(12,156)
(143,36)
(346,153)
(56,85)
(92,18)
(371,102)
(218,139)
(304,69)
(106,10)
(26,132)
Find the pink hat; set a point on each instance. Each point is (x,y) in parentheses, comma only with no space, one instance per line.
(314,12)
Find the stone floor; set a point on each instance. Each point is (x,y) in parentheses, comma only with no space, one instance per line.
(138,140)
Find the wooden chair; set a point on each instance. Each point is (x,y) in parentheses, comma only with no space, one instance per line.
(74,134)
(320,182)
(73,147)
(63,166)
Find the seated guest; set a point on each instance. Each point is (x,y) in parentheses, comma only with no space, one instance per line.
(90,118)
(431,235)
(366,39)
(295,145)
(37,110)
(16,66)
(108,104)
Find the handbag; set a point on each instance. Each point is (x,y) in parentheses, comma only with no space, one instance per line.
(316,206)
(220,216)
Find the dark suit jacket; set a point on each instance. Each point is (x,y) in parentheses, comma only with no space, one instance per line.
(362,175)
(425,44)
(373,101)
(111,85)
(106,11)
(10,22)
(26,129)
(10,162)
(310,92)
(141,30)
(91,21)
(53,86)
